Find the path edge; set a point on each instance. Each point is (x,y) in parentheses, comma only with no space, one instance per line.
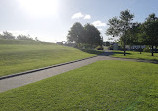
(43,68)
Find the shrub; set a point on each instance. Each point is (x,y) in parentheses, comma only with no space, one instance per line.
(110,47)
(99,48)
(146,49)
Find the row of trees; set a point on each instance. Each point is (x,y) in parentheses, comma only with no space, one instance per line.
(87,34)
(133,33)
(10,36)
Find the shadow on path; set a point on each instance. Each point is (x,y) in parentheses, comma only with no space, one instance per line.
(109,53)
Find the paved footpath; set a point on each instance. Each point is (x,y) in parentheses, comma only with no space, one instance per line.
(17,81)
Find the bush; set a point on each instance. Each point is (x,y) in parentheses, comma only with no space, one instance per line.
(146,49)
(110,47)
(99,48)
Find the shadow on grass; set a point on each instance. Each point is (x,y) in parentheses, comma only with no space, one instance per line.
(109,53)
(118,52)
(155,61)
(102,52)
(91,51)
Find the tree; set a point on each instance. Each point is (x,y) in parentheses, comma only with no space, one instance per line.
(150,28)
(1,36)
(76,33)
(107,43)
(92,35)
(7,35)
(119,27)
(135,36)
(36,39)
(24,37)
(87,35)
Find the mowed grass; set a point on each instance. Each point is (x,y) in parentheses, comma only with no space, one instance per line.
(104,85)
(136,55)
(18,56)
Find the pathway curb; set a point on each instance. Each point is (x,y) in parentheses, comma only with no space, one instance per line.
(43,68)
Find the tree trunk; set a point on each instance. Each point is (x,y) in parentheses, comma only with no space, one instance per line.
(140,49)
(124,46)
(152,52)
(124,49)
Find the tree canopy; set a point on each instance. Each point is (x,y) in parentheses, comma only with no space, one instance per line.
(119,27)
(76,33)
(150,30)
(9,36)
(88,34)
(92,35)
(130,33)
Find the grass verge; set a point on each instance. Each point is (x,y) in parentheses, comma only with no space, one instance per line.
(104,85)
(19,56)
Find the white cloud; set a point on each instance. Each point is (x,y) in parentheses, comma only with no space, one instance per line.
(87,17)
(77,15)
(98,23)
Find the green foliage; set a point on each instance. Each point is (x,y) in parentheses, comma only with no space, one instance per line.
(146,49)
(106,43)
(150,28)
(5,42)
(76,33)
(99,47)
(92,35)
(24,37)
(17,56)
(120,27)
(7,35)
(110,47)
(104,85)
(88,34)
(134,35)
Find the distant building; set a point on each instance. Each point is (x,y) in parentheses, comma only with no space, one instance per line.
(116,46)
(135,47)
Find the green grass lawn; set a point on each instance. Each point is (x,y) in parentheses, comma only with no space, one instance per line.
(104,85)
(136,55)
(18,56)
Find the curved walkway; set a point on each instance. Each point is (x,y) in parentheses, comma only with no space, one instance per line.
(17,81)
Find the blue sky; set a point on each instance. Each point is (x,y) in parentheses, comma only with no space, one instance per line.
(50,20)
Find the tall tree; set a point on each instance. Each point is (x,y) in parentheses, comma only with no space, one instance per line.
(76,33)
(88,34)
(150,28)
(92,35)
(118,27)
(135,36)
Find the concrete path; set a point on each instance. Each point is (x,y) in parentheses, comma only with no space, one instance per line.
(14,82)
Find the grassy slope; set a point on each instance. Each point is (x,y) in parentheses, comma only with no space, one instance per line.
(17,56)
(104,85)
(136,55)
